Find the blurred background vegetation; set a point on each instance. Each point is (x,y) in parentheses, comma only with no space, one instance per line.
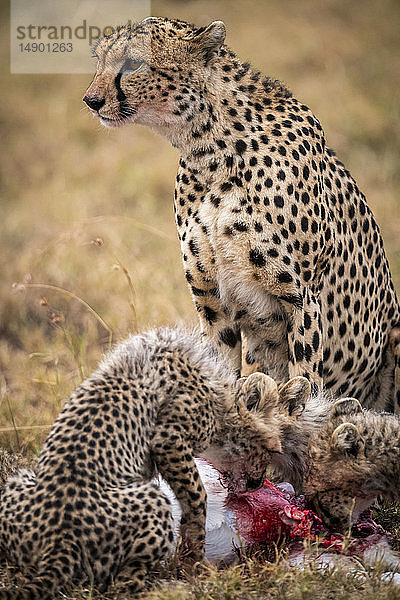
(90,211)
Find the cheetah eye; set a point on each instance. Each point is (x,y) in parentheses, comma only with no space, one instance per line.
(131,65)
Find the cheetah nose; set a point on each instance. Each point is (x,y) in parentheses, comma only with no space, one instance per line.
(94,103)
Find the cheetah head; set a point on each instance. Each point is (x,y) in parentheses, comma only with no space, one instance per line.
(149,72)
(252,436)
(341,482)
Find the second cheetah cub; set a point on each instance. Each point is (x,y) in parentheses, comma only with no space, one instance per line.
(354,458)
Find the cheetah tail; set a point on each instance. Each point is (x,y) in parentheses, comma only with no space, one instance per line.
(56,569)
(395,345)
(41,587)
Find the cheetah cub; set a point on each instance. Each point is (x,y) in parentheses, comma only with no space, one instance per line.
(89,508)
(354,458)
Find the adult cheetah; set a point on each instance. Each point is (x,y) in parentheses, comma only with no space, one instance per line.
(89,509)
(278,242)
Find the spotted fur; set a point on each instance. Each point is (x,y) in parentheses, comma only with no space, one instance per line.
(89,509)
(278,243)
(351,460)
(9,463)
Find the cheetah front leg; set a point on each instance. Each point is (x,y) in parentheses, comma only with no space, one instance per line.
(395,347)
(174,461)
(226,336)
(222,330)
(305,351)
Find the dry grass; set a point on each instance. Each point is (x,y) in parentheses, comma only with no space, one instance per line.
(258,580)
(255,579)
(90,211)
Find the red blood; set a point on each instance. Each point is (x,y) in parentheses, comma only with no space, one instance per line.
(332,541)
(264,515)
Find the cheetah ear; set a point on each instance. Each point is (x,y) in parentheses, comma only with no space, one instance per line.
(345,406)
(346,439)
(294,395)
(258,392)
(207,41)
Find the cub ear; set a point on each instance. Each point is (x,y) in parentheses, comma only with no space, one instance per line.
(258,391)
(207,41)
(294,395)
(346,439)
(345,406)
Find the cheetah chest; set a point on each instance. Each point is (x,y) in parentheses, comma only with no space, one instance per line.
(217,278)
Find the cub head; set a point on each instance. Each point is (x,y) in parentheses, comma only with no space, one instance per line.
(153,73)
(252,434)
(341,480)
